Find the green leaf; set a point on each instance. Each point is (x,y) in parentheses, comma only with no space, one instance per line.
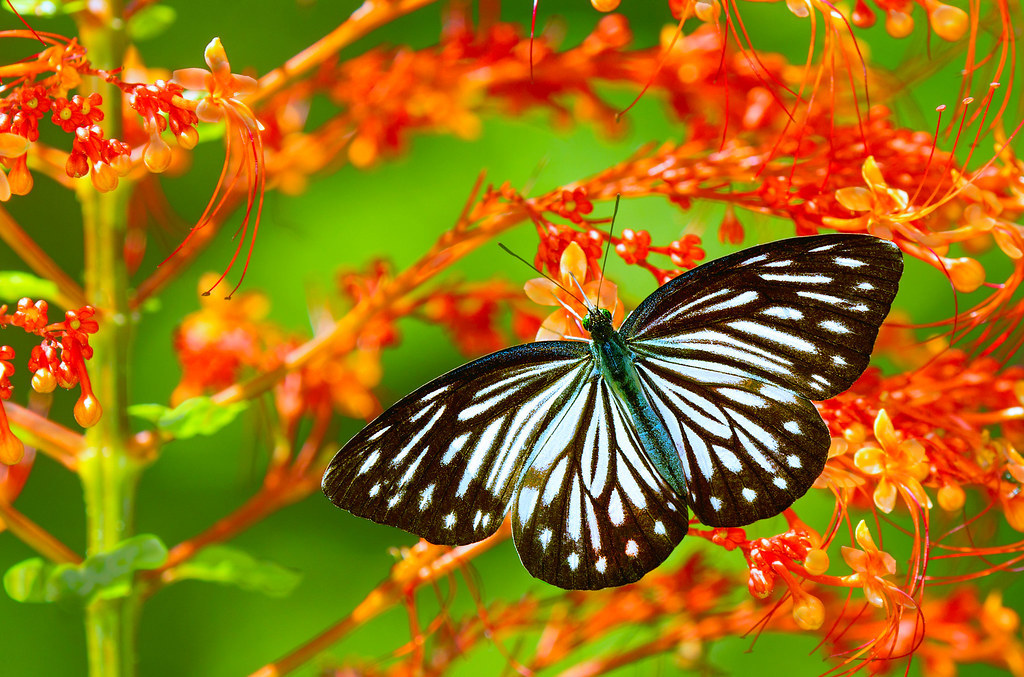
(227,565)
(36,7)
(106,575)
(151,21)
(15,284)
(195,416)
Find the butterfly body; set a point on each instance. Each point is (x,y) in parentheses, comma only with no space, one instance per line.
(614,360)
(701,400)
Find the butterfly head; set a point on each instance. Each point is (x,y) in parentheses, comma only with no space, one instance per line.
(598,321)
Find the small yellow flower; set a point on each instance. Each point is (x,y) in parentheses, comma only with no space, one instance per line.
(897,463)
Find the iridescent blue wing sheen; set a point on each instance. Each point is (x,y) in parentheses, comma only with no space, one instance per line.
(443,462)
(732,353)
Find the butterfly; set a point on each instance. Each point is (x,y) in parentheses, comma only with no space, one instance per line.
(702,401)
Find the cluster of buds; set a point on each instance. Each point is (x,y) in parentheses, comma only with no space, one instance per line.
(40,86)
(58,360)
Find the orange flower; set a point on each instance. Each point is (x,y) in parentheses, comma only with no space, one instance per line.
(11,146)
(565,322)
(244,137)
(898,464)
(871,566)
(223,85)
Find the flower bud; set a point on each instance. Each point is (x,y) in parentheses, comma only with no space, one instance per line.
(816,562)
(809,612)
(88,410)
(43,381)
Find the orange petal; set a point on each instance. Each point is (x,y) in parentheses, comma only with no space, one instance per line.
(12,145)
(870,460)
(217,58)
(863,536)
(884,431)
(885,496)
(541,291)
(854,558)
(609,295)
(557,326)
(872,174)
(874,593)
(196,79)
(573,264)
(243,84)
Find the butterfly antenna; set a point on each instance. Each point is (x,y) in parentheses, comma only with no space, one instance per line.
(585,301)
(542,274)
(611,227)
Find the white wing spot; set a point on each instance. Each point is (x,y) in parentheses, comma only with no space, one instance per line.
(369,462)
(615,512)
(778,264)
(749,494)
(728,459)
(716,503)
(573,560)
(601,564)
(544,538)
(779,482)
(476,519)
(840,360)
(434,394)
(833,326)
(738,300)
(375,489)
(377,434)
(454,448)
(393,501)
(792,426)
(486,521)
(424,411)
(783,313)
(765,331)
(793,460)
(449,520)
(632,549)
(659,527)
(849,263)
(802,279)
(865,285)
(425,496)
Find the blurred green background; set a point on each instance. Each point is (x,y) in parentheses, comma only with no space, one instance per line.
(395,210)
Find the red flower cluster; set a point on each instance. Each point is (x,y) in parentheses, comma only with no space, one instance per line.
(58,360)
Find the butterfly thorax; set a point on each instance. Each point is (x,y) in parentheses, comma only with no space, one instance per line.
(615,366)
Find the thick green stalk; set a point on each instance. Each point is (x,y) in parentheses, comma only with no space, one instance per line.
(108,470)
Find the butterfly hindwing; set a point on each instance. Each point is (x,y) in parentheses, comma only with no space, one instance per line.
(443,461)
(801,313)
(592,511)
(748,449)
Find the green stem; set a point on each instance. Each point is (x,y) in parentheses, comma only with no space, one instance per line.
(109,471)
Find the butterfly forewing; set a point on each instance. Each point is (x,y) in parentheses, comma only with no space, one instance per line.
(592,511)
(731,353)
(444,461)
(802,313)
(749,449)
